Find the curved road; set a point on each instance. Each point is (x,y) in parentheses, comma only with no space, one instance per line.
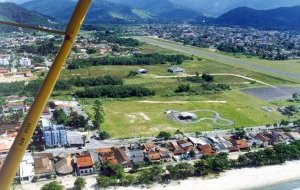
(216,57)
(215,74)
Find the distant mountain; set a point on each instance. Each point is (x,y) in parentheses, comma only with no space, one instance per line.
(287,18)
(13,12)
(163,9)
(116,10)
(218,7)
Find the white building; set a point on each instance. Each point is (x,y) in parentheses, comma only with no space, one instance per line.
(26,171)
(4,60)
(25,62)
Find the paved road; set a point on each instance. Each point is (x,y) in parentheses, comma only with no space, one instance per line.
(217,57)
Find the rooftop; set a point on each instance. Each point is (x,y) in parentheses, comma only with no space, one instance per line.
(84,161)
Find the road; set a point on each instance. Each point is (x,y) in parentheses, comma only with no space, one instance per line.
(217,74)
(217,57)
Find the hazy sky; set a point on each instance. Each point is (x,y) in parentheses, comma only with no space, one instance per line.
(216,7)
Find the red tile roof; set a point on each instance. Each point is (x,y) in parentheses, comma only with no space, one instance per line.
(84,161)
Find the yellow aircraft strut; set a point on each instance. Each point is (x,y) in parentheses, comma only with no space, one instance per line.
(16,153)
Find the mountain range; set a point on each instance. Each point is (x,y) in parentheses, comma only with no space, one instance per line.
(15,13)
(285,18)
(148,11)
(117,12)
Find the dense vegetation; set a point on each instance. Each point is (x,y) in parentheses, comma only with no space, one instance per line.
(7,89)
(130,42)
(115,92)
(102,80)
(42,48)
(142,59)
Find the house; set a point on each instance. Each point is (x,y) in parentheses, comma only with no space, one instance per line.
(114,155)
(74,139)
(241,144)
(176,70)
(43,165)
(25,62)
(206,150)
(185,145)
(294,135)
(136,156)
(26,170)
(63,164)
(165,155)
(153,156)
(197,141)
(148,146)
(122,158)
(175,148)
(4,60)
(85,164)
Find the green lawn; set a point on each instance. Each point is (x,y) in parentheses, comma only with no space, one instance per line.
(131,117)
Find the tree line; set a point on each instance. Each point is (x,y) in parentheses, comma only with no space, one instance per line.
(142,59)
(117,91)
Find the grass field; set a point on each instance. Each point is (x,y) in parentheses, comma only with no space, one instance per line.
(132,117)
(224,58)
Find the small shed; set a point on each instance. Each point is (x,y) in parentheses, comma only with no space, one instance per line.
(176,69)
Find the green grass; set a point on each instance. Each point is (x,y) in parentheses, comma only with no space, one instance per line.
(124,119)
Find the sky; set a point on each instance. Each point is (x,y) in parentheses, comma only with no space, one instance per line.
(217,7)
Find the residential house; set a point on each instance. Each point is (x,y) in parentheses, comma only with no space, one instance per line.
(136,156)
(44,165)
(84,164)
(206,150)
(114,155)
(197,141)
(241,144)
(185,145)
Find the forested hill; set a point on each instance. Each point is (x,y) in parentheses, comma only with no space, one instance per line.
(16,13)
(286,18)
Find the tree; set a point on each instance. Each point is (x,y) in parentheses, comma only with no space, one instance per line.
(284,123)
(79,183)
(77,121)
(98,114)
(164,135)
(207,77)
(183,88)
(60,116)
(103,135)
(2,101)
(240,133)
(181,171)
(113,170)
(53,186)
(105,181)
